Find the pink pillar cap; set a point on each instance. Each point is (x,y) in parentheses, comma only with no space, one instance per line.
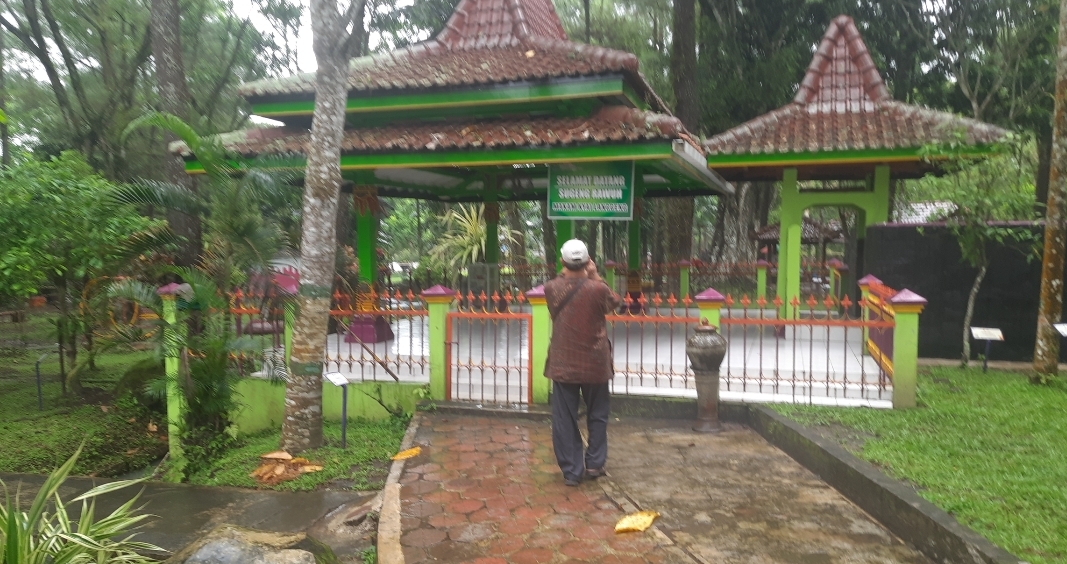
(169,290)
(866,280)
(762,263)
(907,297)
(684,263)
(538,292)
(711,295)
(610,264)
(437,291)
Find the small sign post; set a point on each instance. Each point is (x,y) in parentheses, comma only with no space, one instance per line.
(987,334)
(1061,328)
(338,379)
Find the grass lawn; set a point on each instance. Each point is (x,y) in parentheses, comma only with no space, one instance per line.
(116,437)
(991,449)
(364,465)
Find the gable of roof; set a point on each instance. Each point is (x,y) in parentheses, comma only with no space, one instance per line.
(842,104)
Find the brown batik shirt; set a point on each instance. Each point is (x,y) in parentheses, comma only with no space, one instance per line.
(579,352)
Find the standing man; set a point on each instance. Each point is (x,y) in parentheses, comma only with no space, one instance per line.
(579,362)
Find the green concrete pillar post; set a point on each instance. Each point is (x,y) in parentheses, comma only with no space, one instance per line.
(792,217)
(710,303)
(865,294)
(366,206)
(761,278)
(683,279)
(541,331)
(609,274)
(172,344)
(907,306)
(438,300)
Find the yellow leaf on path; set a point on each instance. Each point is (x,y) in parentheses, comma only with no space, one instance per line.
(310,468)
(406,454)
(276,455)
(636,522)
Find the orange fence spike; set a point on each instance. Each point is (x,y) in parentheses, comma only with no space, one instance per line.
(828,302)
(729,300)
(521,297)
(745,302)
(777,302)
(671,301)
(794,302)
(811,301)
(656,300)
(845,302)
(761,302)
(686,301)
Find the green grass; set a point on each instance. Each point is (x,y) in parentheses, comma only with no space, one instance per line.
(364,465)
(991,449)
(116,436)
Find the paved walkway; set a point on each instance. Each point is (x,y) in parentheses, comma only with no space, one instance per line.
(486,489)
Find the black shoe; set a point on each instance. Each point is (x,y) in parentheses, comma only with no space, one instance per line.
(594,473)
(570,482)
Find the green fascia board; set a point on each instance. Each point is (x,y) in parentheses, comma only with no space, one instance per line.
(557,108)
(873,156)
(592,87)
(486,158)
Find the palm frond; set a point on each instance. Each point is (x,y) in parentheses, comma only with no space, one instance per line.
(159,194)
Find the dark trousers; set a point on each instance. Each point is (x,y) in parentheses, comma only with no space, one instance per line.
(572,456)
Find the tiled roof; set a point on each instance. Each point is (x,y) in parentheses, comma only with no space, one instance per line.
(615,124)
(843,104)
(484,42)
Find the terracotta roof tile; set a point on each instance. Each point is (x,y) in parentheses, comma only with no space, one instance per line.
(843,104)
(611,125)
(484,42)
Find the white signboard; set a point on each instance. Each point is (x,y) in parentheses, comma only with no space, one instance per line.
(1061,327)
(336,378)
(986,334)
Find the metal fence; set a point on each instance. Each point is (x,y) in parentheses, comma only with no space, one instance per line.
(488,342)
(648,345)
(378,337)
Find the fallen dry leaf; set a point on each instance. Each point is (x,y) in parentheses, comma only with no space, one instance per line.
(406,454)
(104,408)
(300,460)
(310,468)
(132,451)
(276,455)
(152,427)
(636,522)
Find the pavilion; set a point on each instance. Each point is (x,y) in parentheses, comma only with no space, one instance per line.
(491,109)
(842,125)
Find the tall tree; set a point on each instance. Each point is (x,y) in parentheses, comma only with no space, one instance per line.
(1047,346)
(336,35)
(5,133)
(174,99)
(678,212)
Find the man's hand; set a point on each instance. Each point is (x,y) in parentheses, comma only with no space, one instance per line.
(590,270)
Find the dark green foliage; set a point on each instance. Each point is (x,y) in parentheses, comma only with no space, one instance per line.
(137,380)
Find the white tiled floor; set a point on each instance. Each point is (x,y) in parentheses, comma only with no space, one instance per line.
(817,365)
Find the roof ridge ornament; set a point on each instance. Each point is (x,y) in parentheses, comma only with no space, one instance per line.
(480,23)
(842,43)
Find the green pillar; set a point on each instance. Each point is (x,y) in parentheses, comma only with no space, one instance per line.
(792,217)
(907,306)
(564,233)
(683,279)
(609,274)
(710,303)
(438,300)
(541,331)
(172,343)
(366,205)
(761,278)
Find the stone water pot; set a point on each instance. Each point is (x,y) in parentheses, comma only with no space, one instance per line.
(706,349)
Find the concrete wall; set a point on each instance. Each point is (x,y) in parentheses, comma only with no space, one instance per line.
(263,402)
(926,260)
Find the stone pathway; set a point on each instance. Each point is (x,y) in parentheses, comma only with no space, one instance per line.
(487,490)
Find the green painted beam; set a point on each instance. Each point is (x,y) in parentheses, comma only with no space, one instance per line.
(593,87)
(878,156)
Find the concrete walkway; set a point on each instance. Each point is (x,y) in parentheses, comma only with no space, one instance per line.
(487,489)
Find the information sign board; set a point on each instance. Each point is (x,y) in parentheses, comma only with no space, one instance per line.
(1062,328)
(336,378)
(603,191)
(986,334)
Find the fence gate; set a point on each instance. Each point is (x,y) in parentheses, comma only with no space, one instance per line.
(488,341)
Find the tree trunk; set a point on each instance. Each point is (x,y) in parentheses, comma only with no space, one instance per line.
(966,357)
(174,99)
(518,245)
(1047,345)
(5,133)
(678,212)
(739,215)
(302,427)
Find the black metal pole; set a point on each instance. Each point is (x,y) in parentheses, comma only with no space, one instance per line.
(985,361)
(40,397)
(344,416)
